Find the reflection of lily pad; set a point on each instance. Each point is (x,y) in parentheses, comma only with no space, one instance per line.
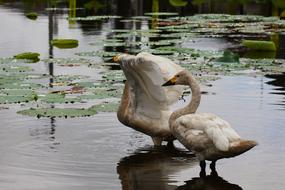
(259,45)
(178,3)
(58,112)
(161,14)
(229,57)
(64,43)
(32,15)
(29,56)
(90,18)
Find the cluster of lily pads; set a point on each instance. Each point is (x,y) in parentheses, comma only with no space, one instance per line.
(20,84)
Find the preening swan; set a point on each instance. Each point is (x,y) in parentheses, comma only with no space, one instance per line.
(145,103)
(207,135)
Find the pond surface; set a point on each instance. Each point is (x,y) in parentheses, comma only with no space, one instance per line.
(100,153)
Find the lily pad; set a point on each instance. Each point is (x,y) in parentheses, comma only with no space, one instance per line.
(29,56)
(32,15)
(57,98)
(64,43)
(58,112)
(105,107)
(259,45)
(15,99)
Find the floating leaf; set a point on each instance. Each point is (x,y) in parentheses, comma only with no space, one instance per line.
(64,43)
(15,99)
(105,107)
(259,45)
(57,98)
(58,112)
(29,56)
(32,15)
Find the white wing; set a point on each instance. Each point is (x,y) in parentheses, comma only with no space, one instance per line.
(145,74)
(207,126)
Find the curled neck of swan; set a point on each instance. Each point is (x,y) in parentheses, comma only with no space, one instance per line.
(124,105)
(194,103)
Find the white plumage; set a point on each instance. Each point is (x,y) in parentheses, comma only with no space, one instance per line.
(207,135)
(145,103)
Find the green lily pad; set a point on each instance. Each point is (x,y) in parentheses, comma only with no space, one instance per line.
(15,99)
(105,107)
(29,56)
(14,68)
(259,45)
(57,98)
(58,112)
(64,43)
(32,15)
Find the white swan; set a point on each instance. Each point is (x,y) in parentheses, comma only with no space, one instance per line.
(145,103)
(207,135)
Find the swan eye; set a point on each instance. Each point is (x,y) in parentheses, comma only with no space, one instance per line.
(177,75)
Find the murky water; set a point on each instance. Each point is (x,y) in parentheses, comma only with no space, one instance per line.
(100,153)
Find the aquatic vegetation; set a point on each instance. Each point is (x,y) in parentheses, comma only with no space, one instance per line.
(229,57)
(32,15)
(58,112)
(28,56)
(64,43)
(57,98)
(106,107)
(95,18)
(9,96)
(161,14)
(14,68)
(259,45)
(178,3)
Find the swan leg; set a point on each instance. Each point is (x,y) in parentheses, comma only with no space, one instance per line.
(203,168)
(157,141)
(170,144)
(213,166)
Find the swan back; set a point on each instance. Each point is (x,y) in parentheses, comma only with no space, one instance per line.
(209,136)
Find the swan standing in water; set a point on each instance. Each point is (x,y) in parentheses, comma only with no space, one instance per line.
(207,135)
(145,103)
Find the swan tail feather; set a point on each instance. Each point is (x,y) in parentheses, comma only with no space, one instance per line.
(241,146)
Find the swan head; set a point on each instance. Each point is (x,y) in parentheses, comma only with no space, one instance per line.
(180,78)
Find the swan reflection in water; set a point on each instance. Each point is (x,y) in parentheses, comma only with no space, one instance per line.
(209,182)
(150,168)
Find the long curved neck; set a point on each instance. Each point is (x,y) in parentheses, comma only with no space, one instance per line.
(124,105)
(194,103)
